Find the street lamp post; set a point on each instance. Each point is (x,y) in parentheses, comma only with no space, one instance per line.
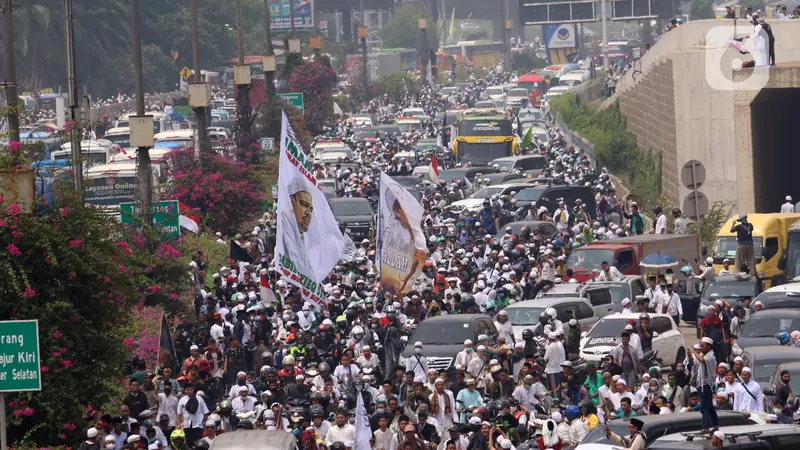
(141,126)
(423,25)
(363,32)
(268,61)
(74,107)
(10,82)
(242,80)
(198,90)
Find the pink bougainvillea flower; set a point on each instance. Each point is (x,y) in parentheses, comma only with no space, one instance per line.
(155,289)
(67,363)
(44,369)
(76,243)
(14,250)
(29,293)
(13,209)
(14,146)
(64,212)
(56,334)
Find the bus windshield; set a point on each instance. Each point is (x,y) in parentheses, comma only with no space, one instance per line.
(484,128)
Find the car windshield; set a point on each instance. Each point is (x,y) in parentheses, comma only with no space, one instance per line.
(442,334)
(725,247)
(518,93)
(503,165)
(762,370)
(608,327)
(756,326)
(364,134)
(532,194)
(728,290)
(350,208)
(524,316)
(486,192)
(569,82)
(494,91)
(589,258)
(598,435)
(779,299)
(618,291)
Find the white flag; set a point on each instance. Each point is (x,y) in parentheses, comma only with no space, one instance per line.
(349,253)
(309,242)
(363,431)
(402,245)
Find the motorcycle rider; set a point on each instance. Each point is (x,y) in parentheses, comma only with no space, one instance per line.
(577,429)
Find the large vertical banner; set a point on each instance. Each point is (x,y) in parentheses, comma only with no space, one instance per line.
(560,41)
(403,249)
(309,243)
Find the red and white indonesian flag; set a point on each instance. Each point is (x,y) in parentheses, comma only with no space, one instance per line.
(433,172)
(309,243)
(267,291)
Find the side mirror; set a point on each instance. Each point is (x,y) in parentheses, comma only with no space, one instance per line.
(655,333)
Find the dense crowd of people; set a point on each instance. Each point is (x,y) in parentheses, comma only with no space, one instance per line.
(254,357)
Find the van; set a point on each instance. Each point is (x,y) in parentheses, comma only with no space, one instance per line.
(548,196)
(175,139)
(161,121)
(254,440)
(99,151)
(108,185)
(770,236)
(119,135)
(574,78)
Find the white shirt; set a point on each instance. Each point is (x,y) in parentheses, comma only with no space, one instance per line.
(235,389)
(463,358)
(192,420)
(243,404)
(661,224)
(168,406)
(554,355)
(419,364)
(787,207)
(383,439)
(505,329)
(345,433)
(526,396)
(742,401)
(340,371)
(445,420)
(548,273)
(612,275)
(218,333)
(673,304)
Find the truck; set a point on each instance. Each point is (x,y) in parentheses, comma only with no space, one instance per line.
(789,263)
(770,237)
(626,253)
(483,135)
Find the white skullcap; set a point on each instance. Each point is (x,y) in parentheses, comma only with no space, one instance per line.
(757,303)
(481,347)
(194,347)
(91,432)
(622,381)
(626,301)
(788,198)
(468,342)
(438,380)
(628,327)
(645,375)
(725,365)
(556,417)
(419,380)
(615,378)
(418,344)
(573,322)
(552,336)
(298,184)
(474,420)
(721,435)
(482,337)
(748,370)
(738,359)
(707,340)
(506,444)
(365,348)
(519,345)
(494,362)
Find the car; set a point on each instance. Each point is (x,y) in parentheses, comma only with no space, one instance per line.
(729,287)
(517,98)
(327,186)
(255,440)
(546,229)
(448,92)
(667,338)
(599,296)
(763,359)
(629,287)
(366,134)
(524,315)
(738,437)
(783,296)
(494,93)
(384,131)
(529,165)
(355,213)
(529,115)
(794,372)
(443,337)
(409,183)
(659,425)
(333,155)
(475,201)
(468,173)
(493,179)
(762,328)
(485,104)
(548,196)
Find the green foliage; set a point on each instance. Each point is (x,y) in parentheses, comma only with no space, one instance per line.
(215,253)
(268,123)
(402,30)
(316,80)
(343,101)
(527,61)
(393,85)
(755,4)
(614,146)
(81,275)
(701,9)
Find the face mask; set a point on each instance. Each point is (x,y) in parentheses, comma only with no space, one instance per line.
(672,383)
(147,422)
(241,382)
(110,446)
(381,411)
(778,412)
(469,349)
(528,386)
(417,350)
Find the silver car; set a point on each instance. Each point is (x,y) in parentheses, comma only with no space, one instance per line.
(525,314)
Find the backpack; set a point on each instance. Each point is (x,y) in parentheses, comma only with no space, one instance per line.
(192,405)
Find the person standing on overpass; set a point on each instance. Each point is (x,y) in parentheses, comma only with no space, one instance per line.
(788,207)
(636,219)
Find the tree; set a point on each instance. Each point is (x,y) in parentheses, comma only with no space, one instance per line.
(702,9)
(402,30)
(269,122)
(316,80)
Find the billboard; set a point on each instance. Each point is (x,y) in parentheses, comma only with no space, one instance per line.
(280,14)
(561,42)
(110,190)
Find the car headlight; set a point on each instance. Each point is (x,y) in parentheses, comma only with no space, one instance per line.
(736,349)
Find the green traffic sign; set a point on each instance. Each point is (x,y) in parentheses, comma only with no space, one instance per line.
(19,356)
(166,216)
(295,99)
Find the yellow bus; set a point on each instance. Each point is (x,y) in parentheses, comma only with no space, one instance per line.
(483,135)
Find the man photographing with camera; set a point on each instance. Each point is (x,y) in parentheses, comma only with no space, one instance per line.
(744,250)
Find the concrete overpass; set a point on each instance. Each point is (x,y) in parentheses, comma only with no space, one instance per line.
(744,137)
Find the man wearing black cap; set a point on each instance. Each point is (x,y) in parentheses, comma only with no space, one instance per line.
(633,442)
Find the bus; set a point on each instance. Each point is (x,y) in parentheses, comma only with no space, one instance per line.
(482,54)
(483,135)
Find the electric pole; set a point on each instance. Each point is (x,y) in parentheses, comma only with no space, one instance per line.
(199,111)
(10,83)
(243,103)
(72,88)
(424,58)
(269,55)
(291,15)
(143,170)
(363,32)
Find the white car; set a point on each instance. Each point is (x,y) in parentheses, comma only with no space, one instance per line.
(605,335)
(494,93)
(475,201)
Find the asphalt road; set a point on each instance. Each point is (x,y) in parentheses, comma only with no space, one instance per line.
(689,334)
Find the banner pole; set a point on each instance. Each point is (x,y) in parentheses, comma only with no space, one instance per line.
(378,234)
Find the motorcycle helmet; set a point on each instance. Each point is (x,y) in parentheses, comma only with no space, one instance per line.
(544,319)
(358,332)
(527,334)
(572,412)
(288,360)
(644,317)
(338,445)
(324,367)
(201,444)
(317,411)
(551,312)
(225,404)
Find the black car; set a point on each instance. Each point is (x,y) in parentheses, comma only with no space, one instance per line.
(664,424)
(549,196)
(356,213)
(763,327)
(464,172)
(546,229)
(780,297)
(762,360)
(442,337)
(729,287)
